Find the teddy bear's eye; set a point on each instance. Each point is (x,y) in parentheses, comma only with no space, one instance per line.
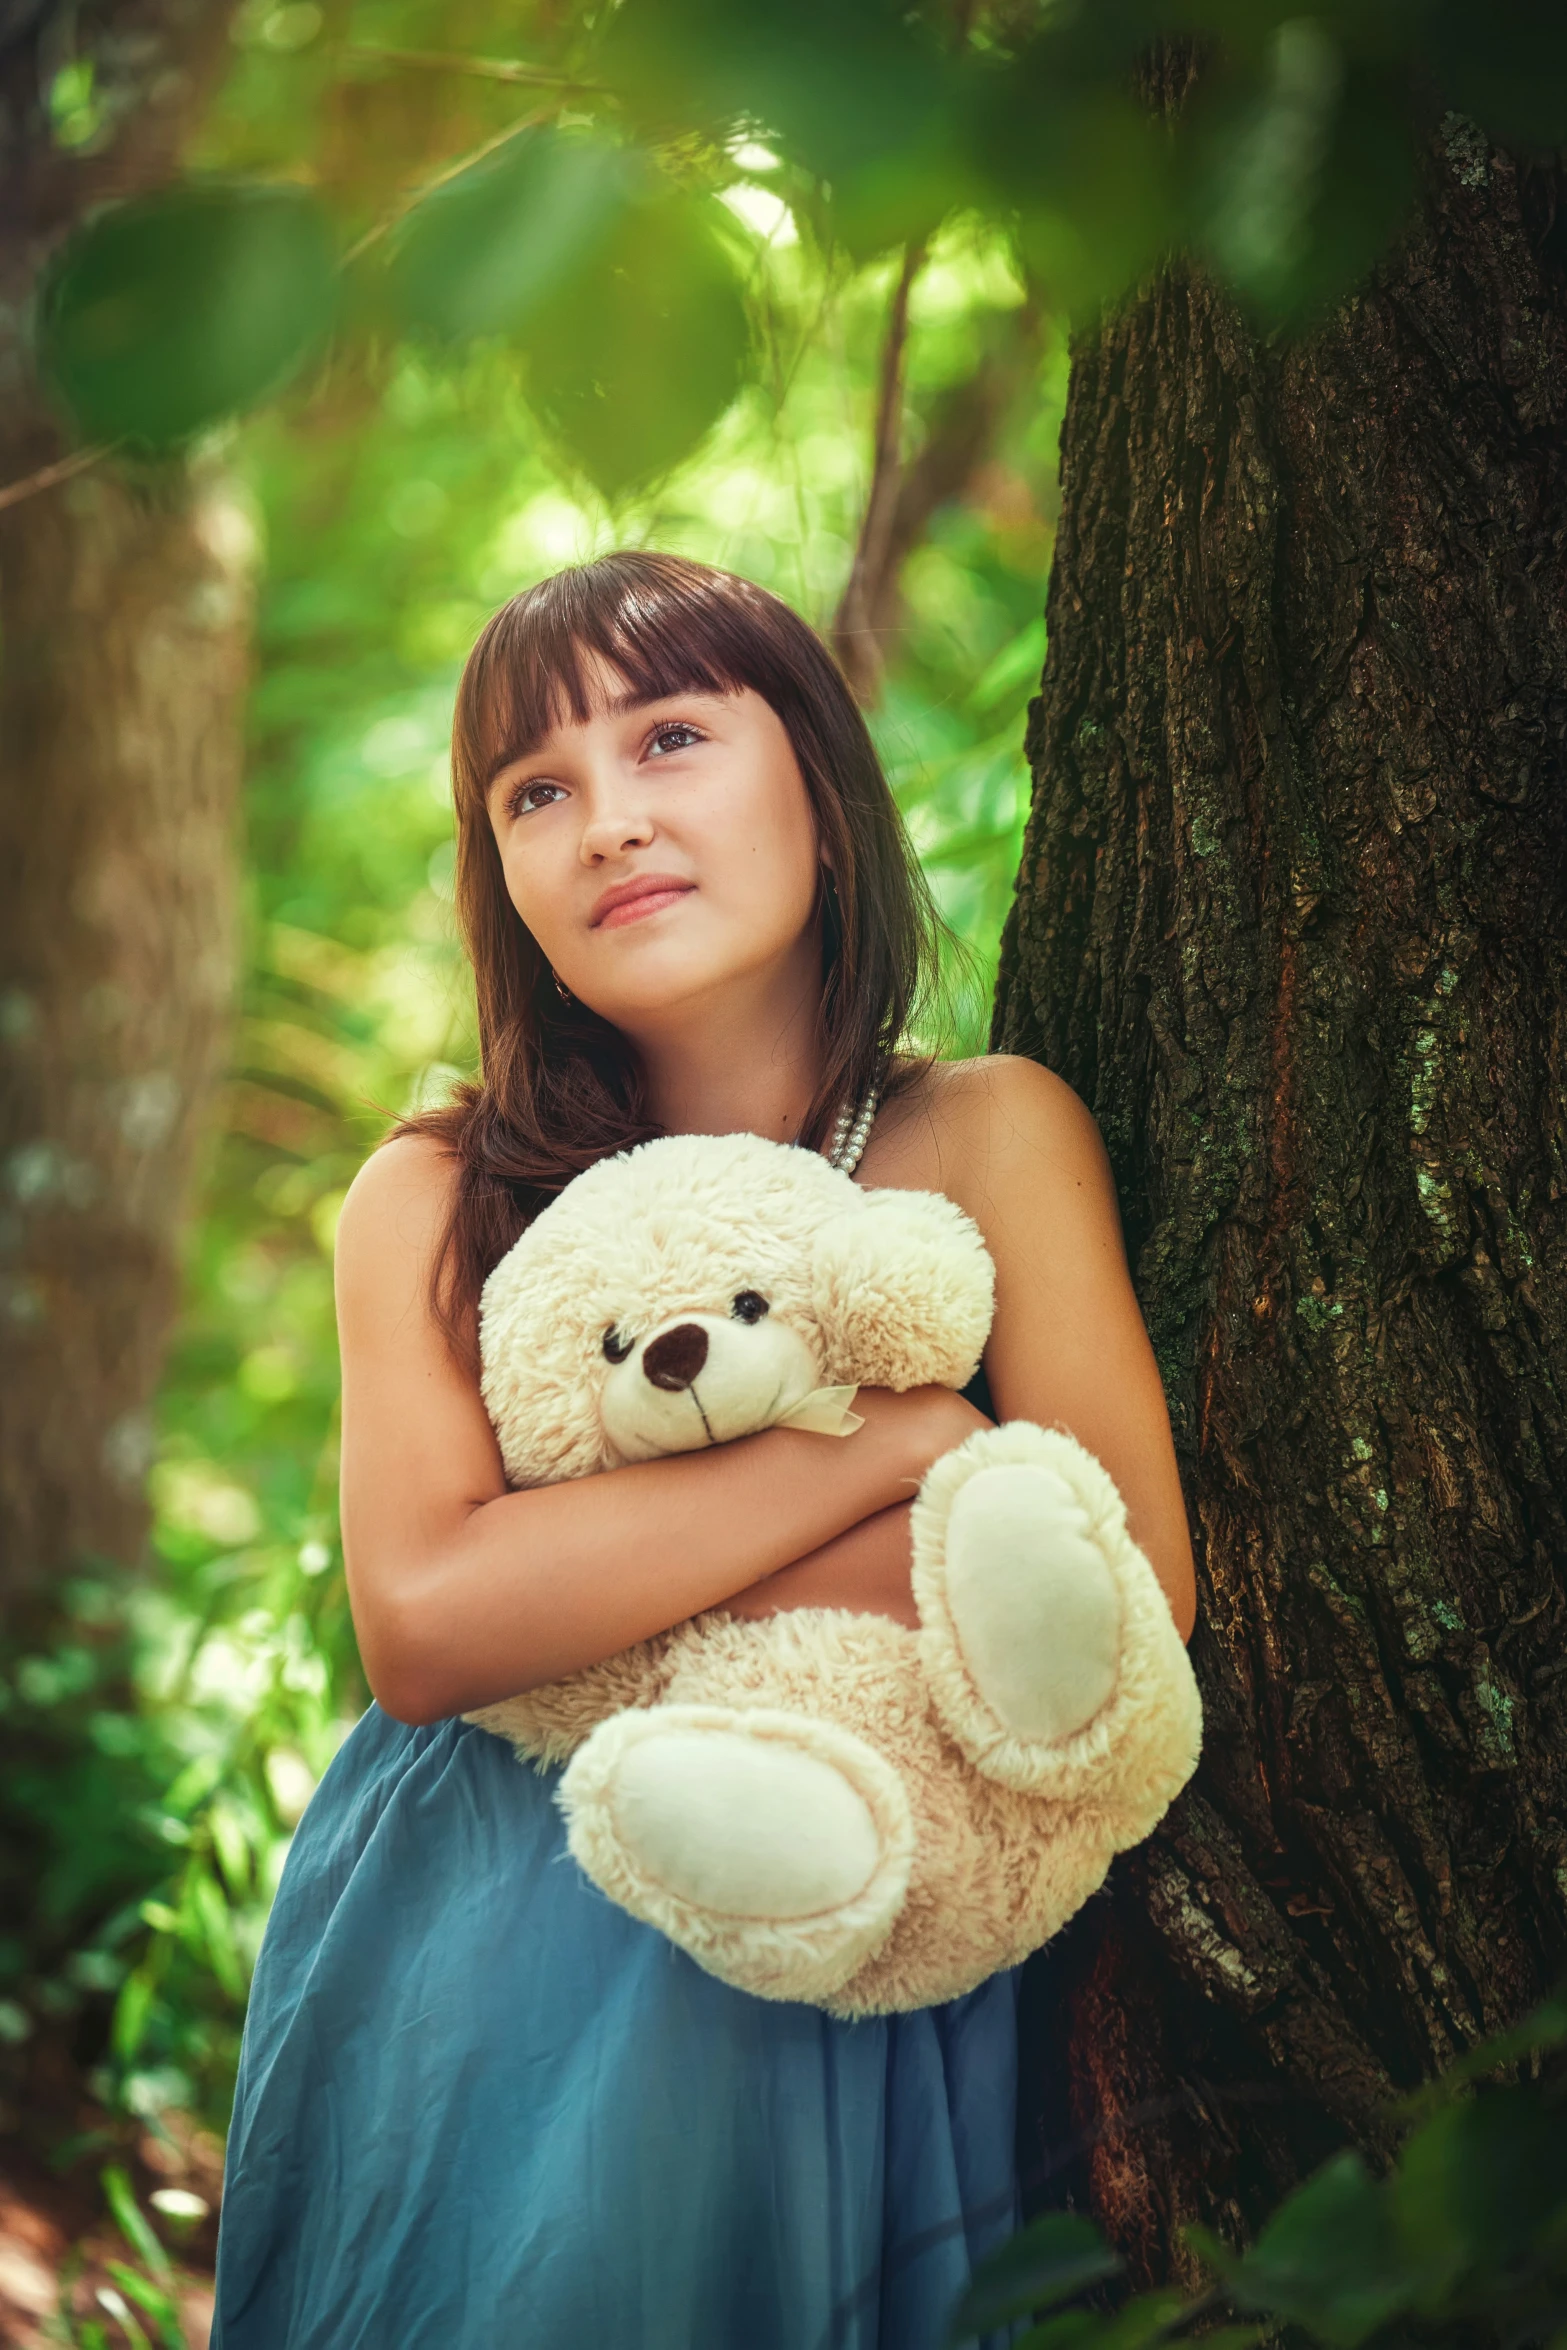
(749,1306)
(616,1348)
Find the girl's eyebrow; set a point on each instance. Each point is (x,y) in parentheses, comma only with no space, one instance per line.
(527,745)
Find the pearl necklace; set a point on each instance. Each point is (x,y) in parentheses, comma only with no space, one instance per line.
(852,1133)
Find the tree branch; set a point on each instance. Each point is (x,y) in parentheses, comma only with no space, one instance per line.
(854,635)
(962,432)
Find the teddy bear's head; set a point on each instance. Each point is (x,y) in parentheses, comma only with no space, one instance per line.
(697,1288)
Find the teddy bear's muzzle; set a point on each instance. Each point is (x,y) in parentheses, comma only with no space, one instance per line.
(705,1379)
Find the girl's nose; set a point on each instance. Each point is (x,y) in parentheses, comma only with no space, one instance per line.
(614,825)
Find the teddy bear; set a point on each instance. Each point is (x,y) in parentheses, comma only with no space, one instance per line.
(825,1806)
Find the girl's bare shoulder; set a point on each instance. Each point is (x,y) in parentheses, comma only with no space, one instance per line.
(965,1127)
(398,1204)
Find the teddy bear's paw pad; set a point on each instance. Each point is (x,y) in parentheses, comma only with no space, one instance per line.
(774,1849)
(1033,1604)
(742,1826)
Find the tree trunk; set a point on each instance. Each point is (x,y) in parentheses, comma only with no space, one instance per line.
(1292,918)
(124,626)
(123,633)
(123,622)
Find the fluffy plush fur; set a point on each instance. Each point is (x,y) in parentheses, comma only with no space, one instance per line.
(826,1806)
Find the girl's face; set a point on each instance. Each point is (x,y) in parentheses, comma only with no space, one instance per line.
(661,852)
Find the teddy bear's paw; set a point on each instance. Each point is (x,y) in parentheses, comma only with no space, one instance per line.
(1046,1641)
(1032,1606)
(772,1847)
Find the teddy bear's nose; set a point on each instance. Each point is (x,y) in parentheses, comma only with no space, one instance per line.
(675,1356)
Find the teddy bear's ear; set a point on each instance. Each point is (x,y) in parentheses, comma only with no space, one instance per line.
(903,1289)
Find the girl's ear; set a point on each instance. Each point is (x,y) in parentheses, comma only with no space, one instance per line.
(904,1291)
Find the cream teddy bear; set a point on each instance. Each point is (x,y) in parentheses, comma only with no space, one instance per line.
(826,1806)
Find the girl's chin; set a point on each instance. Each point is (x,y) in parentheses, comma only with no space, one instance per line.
(669,989)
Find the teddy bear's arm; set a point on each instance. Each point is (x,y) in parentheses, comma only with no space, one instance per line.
(904,1291)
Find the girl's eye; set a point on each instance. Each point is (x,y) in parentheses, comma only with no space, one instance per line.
(616,1348)
(527,797)
(676,736)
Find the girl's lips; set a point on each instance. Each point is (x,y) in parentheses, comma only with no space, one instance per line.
(651,901)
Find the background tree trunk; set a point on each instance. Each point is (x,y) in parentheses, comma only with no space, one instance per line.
(123,634)
(1292,918)
(123,622)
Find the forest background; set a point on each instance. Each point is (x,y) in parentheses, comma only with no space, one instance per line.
(849,382)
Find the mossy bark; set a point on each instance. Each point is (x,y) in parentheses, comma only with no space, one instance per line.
(1292,918)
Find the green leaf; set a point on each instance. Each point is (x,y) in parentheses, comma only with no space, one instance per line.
(153,2302)
(1084,169)
(1478,2188)
(480,252)
(841,84)
(1069,2329)
(160,317)
(232,1848)
(215,1921)
(1300,171)
(1045,2264)
(131,2011)
(632,363)
(133,2223)
(1329,2258)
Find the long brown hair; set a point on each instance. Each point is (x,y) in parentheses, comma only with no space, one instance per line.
(560,1088)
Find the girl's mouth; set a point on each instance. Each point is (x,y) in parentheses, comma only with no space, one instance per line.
(635,909)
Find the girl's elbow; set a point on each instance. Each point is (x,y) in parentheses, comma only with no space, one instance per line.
(410,1700)
(405,1676)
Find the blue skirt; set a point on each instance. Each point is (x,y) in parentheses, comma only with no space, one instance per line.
(480,2108)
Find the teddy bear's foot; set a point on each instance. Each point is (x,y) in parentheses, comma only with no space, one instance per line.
(772,1847)
(1046,1639)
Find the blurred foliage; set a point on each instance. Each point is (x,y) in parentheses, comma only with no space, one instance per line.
(139,2297)
(1463,2244)
(562,204)
(106,2299)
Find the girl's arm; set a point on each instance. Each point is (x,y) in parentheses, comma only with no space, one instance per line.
(463,1592)
(1015,1146)
(1068,1347)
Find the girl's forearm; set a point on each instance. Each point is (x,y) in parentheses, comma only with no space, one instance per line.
(529,1587)
(868,1570)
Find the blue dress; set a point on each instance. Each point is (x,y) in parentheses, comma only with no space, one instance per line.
(480,2108)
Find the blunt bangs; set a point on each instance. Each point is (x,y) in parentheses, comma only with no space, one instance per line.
(663,626)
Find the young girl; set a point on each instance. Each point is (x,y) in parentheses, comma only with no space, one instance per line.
(480,2108)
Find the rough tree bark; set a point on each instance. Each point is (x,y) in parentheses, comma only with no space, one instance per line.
(1292,918)
(123,623)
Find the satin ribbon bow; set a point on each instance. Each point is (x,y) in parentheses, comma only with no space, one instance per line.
(825,1411)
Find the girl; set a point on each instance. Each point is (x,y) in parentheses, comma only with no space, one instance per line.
(479,2107)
